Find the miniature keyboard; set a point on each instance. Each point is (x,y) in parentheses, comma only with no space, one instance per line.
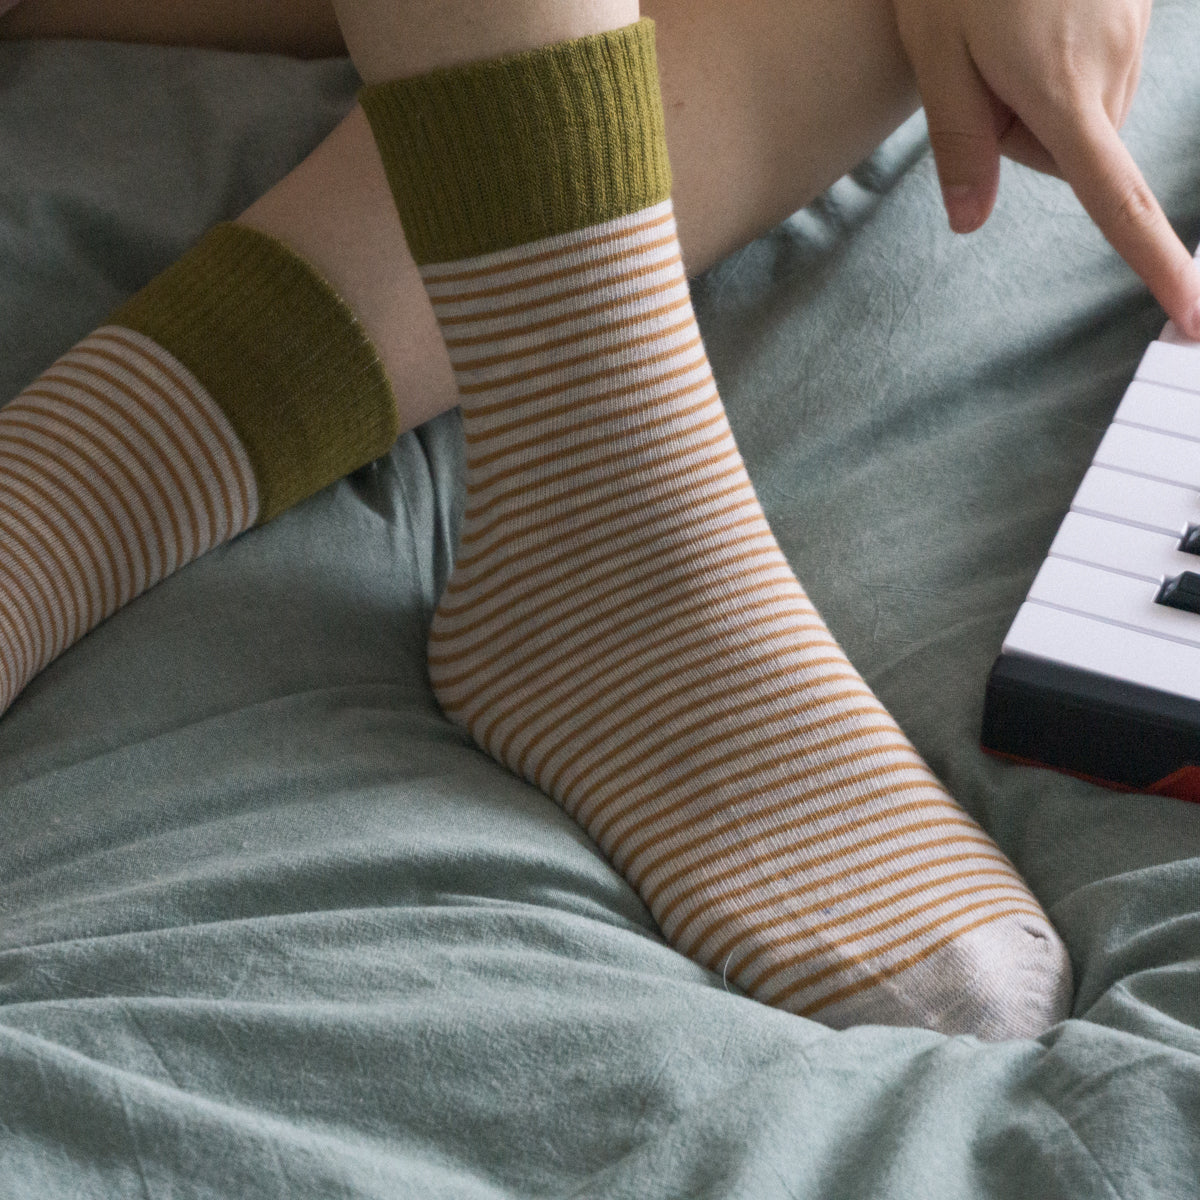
(1100,673)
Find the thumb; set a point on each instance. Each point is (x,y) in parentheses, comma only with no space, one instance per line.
(965,122)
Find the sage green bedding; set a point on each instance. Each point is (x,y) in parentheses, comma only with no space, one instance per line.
(271,927)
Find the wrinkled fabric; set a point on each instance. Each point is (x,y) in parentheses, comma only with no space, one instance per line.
(271,926)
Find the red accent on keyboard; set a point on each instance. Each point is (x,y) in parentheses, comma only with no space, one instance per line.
(1033,762)
(1183,784)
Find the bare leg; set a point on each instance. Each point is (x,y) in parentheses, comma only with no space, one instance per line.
(766,105)
(335,210)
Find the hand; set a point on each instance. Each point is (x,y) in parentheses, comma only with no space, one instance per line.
(1047,83)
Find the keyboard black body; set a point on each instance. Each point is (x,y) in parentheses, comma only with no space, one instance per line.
(1110,732)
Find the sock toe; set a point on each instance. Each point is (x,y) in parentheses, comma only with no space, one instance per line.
(1008,979)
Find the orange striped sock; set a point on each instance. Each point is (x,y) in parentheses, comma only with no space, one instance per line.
(622,629)
(228,389)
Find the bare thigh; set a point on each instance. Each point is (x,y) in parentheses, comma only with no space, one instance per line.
(767,103)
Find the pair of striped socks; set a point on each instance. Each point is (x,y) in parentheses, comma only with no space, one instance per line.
(621,628)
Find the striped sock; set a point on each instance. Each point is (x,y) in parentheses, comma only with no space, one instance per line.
(621,628)
(232,386)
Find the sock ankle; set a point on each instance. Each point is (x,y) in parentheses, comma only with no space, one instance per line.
(621,628)
(232,386)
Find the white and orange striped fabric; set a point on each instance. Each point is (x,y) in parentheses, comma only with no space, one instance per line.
(622,630)
(116,469)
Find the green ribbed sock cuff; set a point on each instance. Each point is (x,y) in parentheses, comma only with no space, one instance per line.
(280,353)
(496,154)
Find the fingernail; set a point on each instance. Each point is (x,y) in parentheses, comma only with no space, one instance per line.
(1192,327)
(964,207)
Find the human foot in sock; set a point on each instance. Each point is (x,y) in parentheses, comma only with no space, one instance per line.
(231,387)
(621,627)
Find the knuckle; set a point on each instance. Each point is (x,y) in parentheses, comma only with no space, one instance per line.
(1058,71)
(1076,64)
(1072,83)
(1133,205)
(1124,34)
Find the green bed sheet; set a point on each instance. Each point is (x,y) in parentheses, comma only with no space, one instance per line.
(271,927)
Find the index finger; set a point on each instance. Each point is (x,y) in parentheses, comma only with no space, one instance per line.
(1111,188)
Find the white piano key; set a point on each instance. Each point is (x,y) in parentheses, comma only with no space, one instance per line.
(1119,547)
(1172,365)
(1147,502)
(1095,592)
(1157,455)
(1125,654)
(1166,409)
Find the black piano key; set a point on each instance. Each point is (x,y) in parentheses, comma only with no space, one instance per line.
(1181,592)
(1191,540)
